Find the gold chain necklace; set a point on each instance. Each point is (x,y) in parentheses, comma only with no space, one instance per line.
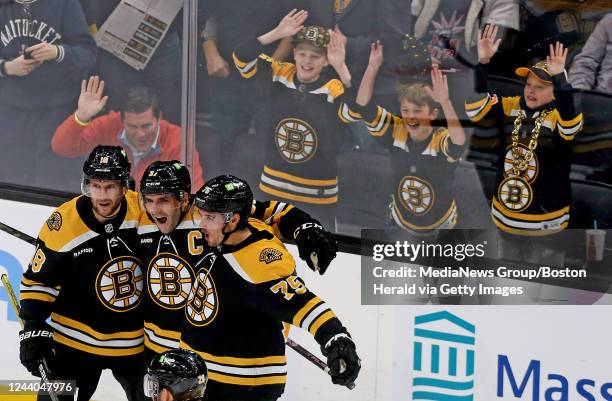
(520,162)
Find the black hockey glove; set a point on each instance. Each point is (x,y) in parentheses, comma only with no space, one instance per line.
(342,359)
(35,345)
(316,246)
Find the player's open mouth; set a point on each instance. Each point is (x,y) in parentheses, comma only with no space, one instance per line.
(413,125)
(161,220)
(307,69)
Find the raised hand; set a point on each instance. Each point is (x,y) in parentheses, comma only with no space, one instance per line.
(439,90)
(91,101)
(376,55)
(556,58)
(487,43)
(291,23)
(336,50)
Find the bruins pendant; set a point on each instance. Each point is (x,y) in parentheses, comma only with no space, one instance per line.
(515,194)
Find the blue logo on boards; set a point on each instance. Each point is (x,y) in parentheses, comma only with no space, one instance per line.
(15,271)
(443,365)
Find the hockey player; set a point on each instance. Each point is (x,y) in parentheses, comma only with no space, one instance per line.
(242,293)
(85,276)
(424,158)
(533,186)
(307,112)
(172,246)
(176,375)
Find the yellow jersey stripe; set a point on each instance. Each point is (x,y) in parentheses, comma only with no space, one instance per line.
(247,381)
(299,180)
(97,350)
(39,296)
(298,198)
(71,323)
(319,322)
(310,305)
(236,361)
(530,217)
(175,335)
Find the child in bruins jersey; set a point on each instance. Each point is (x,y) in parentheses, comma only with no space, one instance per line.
(533,187)
(423,157)
(532,196)
(307,113)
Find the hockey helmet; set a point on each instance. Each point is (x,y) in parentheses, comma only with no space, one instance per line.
(166,177)
(106,163)
(226,194)
(180,371)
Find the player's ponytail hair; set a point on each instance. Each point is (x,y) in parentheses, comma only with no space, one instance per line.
(415,93)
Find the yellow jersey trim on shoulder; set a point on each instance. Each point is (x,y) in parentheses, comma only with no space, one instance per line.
(65,229)
(262,261)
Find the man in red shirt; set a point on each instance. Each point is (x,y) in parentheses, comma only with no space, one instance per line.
(138,128)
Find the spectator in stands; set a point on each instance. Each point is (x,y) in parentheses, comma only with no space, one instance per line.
(162,74)
(45,51)
(309,107)
(592,68)
(224,26)
(424,157)
(138,128)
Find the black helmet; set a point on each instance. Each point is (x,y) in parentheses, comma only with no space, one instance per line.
(107,163)
(166,177)
(226,194)
(181,371)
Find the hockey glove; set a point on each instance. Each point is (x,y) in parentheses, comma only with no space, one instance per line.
(316,246)
(342,359)
(35,345)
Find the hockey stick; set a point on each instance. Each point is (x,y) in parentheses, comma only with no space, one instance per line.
(42,369)
(312,358)
(19,234)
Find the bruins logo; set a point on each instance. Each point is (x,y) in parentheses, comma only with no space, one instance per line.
(532,169)
(515,194)
(119,284)
(295,140)
(203,302)
(416,195)
(169,280)
(54,222)
(269,255)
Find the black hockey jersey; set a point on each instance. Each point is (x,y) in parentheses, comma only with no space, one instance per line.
(171,262)
(86,276)
(235,311)
(307,119)
(423,172)
(538,202)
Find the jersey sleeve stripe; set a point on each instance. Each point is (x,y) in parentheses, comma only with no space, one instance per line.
(39,288)
(477,110)
(308,307)
(246,68)
(346,115)
(315,313)
(36,296)
(320,321)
